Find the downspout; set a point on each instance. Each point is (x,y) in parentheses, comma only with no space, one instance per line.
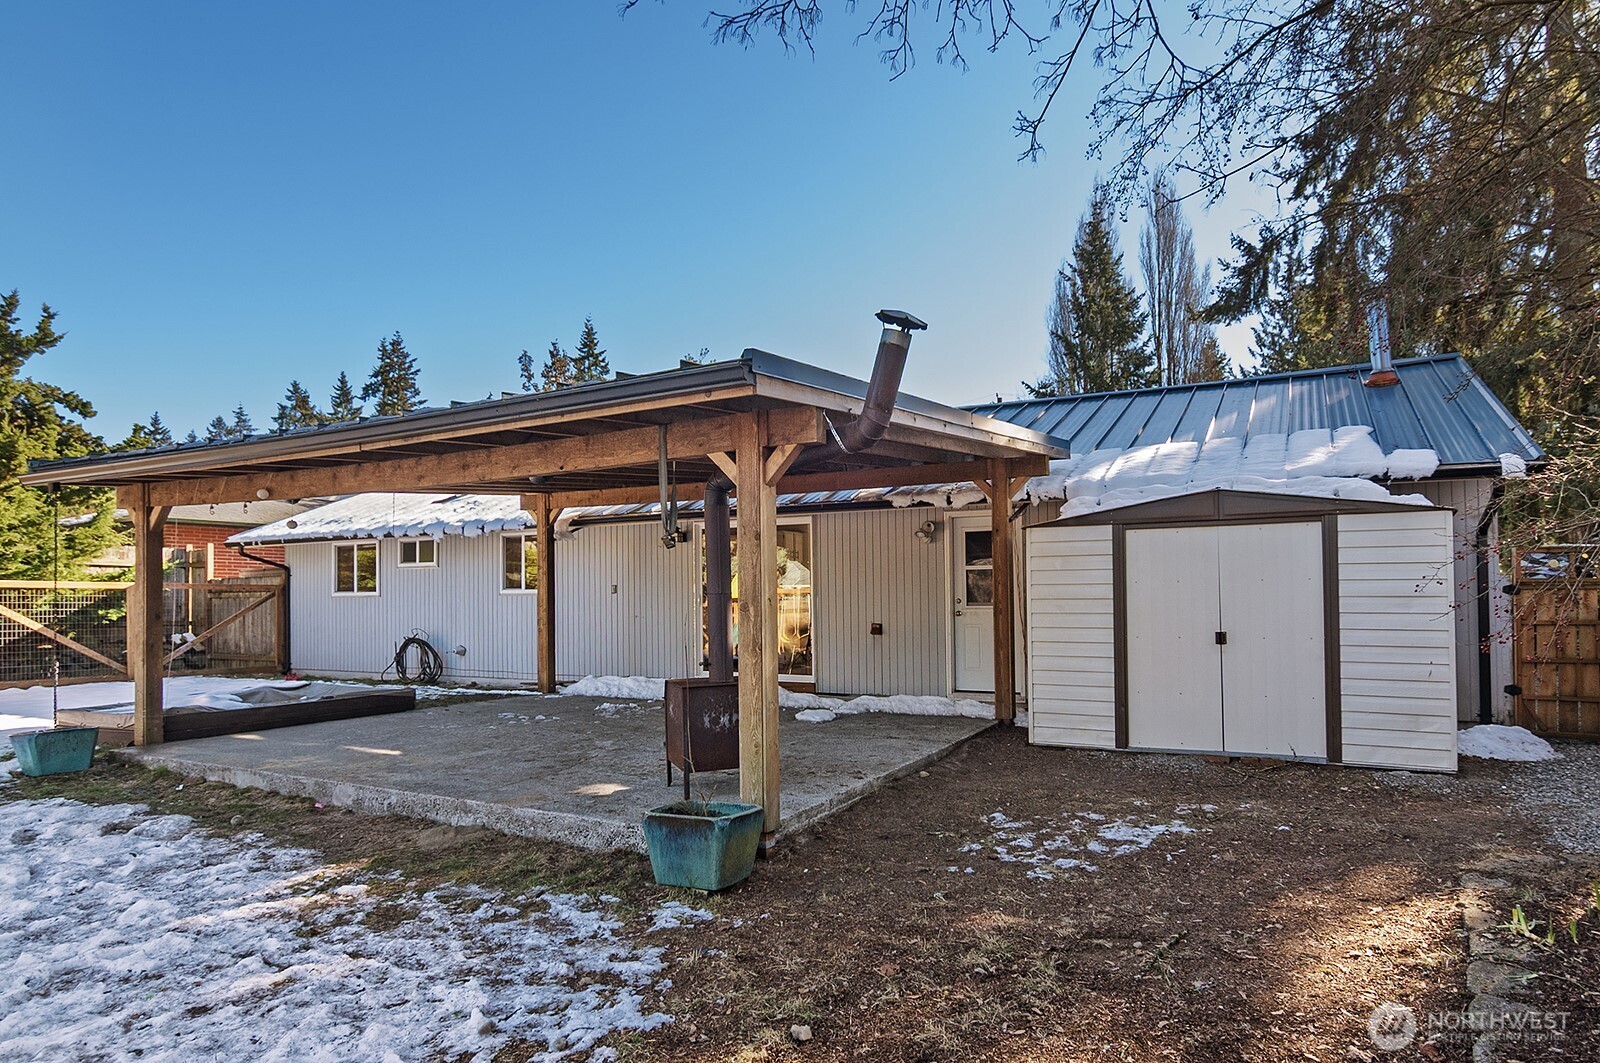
(719,581)
(1485,613)
(288,574)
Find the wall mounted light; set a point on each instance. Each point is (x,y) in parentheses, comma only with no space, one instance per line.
(926,533)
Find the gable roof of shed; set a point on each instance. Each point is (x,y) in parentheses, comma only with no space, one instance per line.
(1440,404)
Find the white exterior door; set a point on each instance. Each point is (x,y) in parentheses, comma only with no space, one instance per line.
(972,552)
(1225,639)
(1273,683)
(1174,667)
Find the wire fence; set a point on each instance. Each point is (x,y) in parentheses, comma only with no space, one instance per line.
(83,626)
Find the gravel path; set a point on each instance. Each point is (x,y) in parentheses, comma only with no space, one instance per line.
(1563,795)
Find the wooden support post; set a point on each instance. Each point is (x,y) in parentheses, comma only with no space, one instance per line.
(145,632)
(544,516)
(1005,655)
(758,622)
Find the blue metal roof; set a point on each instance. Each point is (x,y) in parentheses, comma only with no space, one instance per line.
(1439,404)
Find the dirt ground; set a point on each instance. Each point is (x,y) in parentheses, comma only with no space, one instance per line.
(1017,903)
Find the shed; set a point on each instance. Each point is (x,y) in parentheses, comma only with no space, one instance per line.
(1247,623)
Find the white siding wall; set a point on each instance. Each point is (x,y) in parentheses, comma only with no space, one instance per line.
(871,568)
(456,604)
(625,604)
(1469,498)
(1397,640)
(642,628)
(1071,675)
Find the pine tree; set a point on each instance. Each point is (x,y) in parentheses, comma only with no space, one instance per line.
(393,383)
(1294,333)
(1096,324)
(192,437)
(557,370)
(297,410)
(526,371)
(37,421)
(240,427)
(217,431)
(589,359)
(160,436)
(342,404)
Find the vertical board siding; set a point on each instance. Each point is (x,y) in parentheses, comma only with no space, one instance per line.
(1469,498)
(870,568)
(625,604)
(1397,640)
(457,603)
(1071,670)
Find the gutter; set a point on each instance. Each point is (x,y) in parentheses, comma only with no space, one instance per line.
(1485,613)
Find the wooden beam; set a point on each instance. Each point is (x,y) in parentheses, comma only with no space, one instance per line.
(1005,654)
(779,460)
(55,636)
(987,488)
(758,623)
(544,519)
(725,462)
(588,453)
(145,632)
(805,483)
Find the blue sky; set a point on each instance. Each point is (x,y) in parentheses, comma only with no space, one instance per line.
(220,197)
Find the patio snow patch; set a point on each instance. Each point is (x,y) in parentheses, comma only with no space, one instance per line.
(814,708)
(1493,741)
(1073,842)
(129,935)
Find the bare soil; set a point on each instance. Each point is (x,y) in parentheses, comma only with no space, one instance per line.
(1294,901)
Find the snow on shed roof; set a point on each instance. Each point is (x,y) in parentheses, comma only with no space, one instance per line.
(1333,464)
(1440,404)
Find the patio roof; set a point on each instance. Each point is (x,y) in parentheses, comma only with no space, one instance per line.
(601,437)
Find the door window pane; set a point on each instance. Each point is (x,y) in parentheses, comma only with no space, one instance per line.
(979,548)
(980,586)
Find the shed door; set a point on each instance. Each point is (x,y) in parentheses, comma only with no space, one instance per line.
(1274,692)
(974,605)
(1225,639)
(1174,668)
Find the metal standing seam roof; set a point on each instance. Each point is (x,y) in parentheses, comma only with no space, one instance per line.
(1440,404)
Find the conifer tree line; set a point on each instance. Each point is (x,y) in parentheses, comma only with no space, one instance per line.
(1104,335)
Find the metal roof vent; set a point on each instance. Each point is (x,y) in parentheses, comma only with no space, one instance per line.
(1383,374)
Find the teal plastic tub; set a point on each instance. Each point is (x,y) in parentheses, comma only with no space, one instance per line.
(703,845)
(55,752)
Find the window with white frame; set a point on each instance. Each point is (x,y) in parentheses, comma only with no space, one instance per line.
(521,569)
(419,553)
(355,568)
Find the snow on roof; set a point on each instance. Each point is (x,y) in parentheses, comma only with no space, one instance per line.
(1338,463)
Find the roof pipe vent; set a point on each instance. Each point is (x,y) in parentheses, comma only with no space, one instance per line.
(884,386)
(1383,374)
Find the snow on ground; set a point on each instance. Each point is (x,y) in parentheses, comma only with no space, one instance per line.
(129,935)
(426,693)
(1493,741)
(814,708)
(1071,842)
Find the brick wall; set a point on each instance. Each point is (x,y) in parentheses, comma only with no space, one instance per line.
(226,559)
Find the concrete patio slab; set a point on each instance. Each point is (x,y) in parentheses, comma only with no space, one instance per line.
(573,769)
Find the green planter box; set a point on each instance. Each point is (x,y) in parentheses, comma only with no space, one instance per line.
(708,845)
(55,752)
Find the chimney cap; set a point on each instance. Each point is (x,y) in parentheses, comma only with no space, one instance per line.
(901,319)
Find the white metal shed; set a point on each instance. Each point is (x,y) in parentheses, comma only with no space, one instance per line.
(1248,624)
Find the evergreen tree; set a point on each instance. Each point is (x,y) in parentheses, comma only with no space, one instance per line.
(1295,332)
(217,431)
(589,359)
(40,421)
(1096,324)
(192,437)
(297,410)
(240,427)
(703,357)
(526,371)
(557,371)
(342,404)
(393,383)
(160,436)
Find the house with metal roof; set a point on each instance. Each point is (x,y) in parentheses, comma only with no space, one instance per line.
(885,589)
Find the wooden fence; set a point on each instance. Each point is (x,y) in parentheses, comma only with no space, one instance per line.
(227,625)
(1556,636)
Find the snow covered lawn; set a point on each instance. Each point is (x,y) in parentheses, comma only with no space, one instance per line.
(130,935)
(1075,841)
(1493,741)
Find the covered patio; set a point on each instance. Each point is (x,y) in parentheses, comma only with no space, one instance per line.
(753,428)
(578,770)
